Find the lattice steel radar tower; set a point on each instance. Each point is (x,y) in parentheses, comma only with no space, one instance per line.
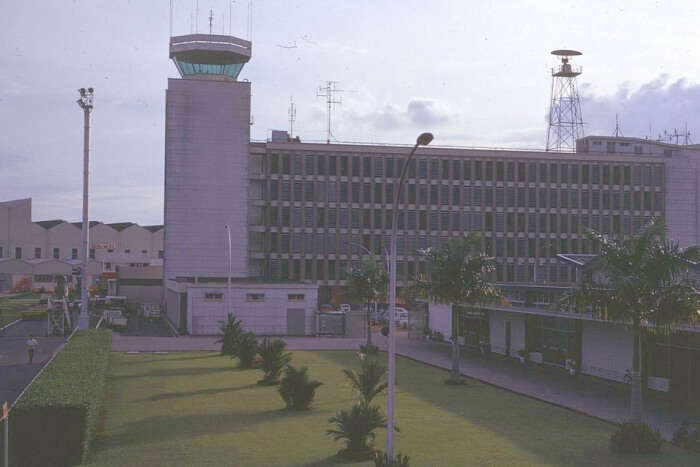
(565,120)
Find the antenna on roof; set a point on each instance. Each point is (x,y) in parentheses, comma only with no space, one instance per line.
(211,20)
(328,91)
(292,112)
(230,15)
(618,130)
(196,16)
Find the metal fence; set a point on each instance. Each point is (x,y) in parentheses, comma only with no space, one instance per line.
(416,324)
(348,324)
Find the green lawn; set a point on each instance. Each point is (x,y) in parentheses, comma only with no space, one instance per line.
(195,409)
(12,308)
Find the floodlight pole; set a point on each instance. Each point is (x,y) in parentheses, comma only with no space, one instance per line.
(423,140)
(228,279)
(85,103)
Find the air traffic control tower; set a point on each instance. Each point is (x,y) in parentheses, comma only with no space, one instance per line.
(207,134)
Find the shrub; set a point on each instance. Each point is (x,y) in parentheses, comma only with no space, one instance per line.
(382,460)
(61,408)
(369,349)
(273,360)
(23,285)
(246,349)
(357,428)
(687,437)
(368,381)
(231,331)
(296,389)
(636,438)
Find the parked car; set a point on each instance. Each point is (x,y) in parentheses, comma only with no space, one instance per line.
(115,319)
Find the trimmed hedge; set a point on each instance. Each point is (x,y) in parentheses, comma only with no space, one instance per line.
(56,418)
(34,315)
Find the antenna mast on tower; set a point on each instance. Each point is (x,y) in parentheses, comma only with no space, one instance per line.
(292,112)
(565,120)
(618,130)
(328,91)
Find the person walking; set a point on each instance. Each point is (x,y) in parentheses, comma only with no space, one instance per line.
(31,347)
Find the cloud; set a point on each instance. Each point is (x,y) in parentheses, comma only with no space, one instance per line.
(419,112)
(661,104)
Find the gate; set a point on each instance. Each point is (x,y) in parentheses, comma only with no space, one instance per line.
(417,324)
(346,324)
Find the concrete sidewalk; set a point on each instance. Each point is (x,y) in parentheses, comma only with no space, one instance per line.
(15,370)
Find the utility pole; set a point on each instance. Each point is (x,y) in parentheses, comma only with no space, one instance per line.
(85,103)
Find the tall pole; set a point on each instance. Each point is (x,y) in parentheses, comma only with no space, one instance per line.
(423,140)
(228,279)
(85,103)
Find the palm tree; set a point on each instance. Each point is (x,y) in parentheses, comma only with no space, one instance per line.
(357,427)
(458,274)
(367,283)
(273,360)
(639,280)
(231,331)
(368,382)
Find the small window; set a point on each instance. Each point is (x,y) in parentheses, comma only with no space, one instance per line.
(160,254)
(74,253)
(92,253)
(18,252)
(213,296)
(255,297)
(37,252)
(637,149)
(110,251)
(127,251)
(144,252)
(1,252)
(56,253)
(295,297)
(108,266)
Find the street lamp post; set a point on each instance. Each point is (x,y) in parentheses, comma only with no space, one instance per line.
(228,279)
(85,103)
(423,140)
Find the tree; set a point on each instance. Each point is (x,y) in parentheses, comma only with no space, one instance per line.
(357,427)
(640,279)
(367,283)
(457,273)
(296,389)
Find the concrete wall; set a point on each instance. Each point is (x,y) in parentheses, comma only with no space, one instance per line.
(497,332)
(206,177)
(140,284)
(267,317)
(682,204)
(606,350)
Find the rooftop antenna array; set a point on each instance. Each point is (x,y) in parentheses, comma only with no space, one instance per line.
(329,91)
(292,113)
(565,120)
(618,130)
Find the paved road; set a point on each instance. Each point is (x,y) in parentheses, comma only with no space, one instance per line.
(15,371)
(608,401)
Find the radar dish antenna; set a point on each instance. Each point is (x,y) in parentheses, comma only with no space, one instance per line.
(565,120)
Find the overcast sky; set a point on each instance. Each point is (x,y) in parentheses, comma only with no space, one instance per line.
(475,73)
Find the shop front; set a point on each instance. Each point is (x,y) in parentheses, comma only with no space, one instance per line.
(473,328)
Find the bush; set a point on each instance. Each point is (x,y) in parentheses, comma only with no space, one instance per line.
(636,438)
(34,315)
(296,389)
(273,360)
(357,428)
(61,408)
(246,349)
(369,349)
(368,382)
(687,437)
(231,331)
(382,460)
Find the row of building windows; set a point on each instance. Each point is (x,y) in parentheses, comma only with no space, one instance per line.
(337,270)
(385,166)
(444,220)
(251,297)
(73,255)
(410,245)
(457,195)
